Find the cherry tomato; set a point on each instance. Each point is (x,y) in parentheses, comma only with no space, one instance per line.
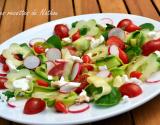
(113,40)
(136,74)
(128,25)
(61,30)
(86,59)
(2,59)
(42,83)
(60,107)
(2,83)
(132,27)
(124,23)
(87,67)
(130,89)
(34,106)
(5,68)
(150,47)
(39,49)
(76,36)
(83,80)
(123,56)
(72,50)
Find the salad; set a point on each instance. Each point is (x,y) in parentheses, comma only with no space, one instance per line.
(91,62)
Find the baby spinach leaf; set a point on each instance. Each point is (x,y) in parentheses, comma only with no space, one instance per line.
(147,26)
(109,100)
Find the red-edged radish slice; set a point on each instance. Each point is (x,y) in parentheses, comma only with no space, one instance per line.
(113,50)
(77,108)
(31,62)
(11,105)
(53,54)
(107,21)
(68,87)
(2,73)
(60,61)
(103,73)
(76,70)
(50,65)
(154,78)
(36,40)
(117,32)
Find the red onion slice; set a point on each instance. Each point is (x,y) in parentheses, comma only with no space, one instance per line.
(117,32)
(53,54)
(11,105)
(77,108)
(31,62)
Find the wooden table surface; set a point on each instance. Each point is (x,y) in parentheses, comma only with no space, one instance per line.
(147,114)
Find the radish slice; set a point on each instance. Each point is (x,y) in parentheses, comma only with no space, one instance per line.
(77,108)
(154,78)
(103,74)
(36,40)
(53,54)
(11,105)
(76,70)
(68,87)
(117,32)
(31,62)
(106,21)
(2,73)
(50,65)
(113,50)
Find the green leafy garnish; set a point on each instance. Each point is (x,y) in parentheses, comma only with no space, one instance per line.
(111,99)
(74,24)
(9,94)
(53,41)
(106,31)
(83,31)
(148,26)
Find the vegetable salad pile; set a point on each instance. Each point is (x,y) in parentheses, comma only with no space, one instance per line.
(90,62)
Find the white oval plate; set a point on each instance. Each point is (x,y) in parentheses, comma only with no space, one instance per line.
(94,113)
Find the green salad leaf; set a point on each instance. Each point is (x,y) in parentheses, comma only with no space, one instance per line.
(148,26)
(111,99)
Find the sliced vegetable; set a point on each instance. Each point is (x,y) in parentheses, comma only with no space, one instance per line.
(36,41)
(147,26)
(130,89)
(50,65)
(34,106)
(42,83)
(118,32)
(136,74)
(61,30)
(60,107)
(154,78)
(53,54)
(2,83)
(86,59)
(76,70)
(76,36)
(77,108)
(31,62)
(39,49)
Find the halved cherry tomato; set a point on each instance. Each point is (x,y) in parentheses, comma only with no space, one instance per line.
(76,36)
(136,74)
(61,30)
(72,50)
(83,80)
(128,25)
(86,59)
(42,83)
(132,27)
(123,56)
(87,67)
(130,89)
(113,40)
(150,47)
(39,49)
(60,107)
(124,23)
(34,106)
(2,83)
(2,59)
(5,68)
